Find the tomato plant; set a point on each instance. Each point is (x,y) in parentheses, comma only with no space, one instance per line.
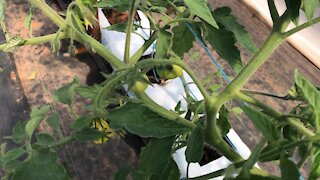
(205,122)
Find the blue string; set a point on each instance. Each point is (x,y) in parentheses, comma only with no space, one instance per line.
(224,75)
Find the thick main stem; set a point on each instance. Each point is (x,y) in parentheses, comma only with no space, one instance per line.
(128,32)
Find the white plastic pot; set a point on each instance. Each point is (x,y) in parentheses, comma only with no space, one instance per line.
(168,95)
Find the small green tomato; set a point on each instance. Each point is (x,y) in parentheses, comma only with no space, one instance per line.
(169,71)
(140,86)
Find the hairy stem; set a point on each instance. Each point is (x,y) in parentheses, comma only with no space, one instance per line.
(143,48)
(301,27)
(128,32)
(162,111)
(38,40)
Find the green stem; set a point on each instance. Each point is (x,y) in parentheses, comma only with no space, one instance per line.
(128,33)
(38,40)
(151,62)
(142,49)
(63,142)
(48,11)
(301,27)
(276,114)
(272,42)
(213,136)
(162,111)
(83,38)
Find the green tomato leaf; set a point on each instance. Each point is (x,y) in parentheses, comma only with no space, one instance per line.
(119,5)
(15,42)
(223,15)
(223,121)
(195,144)
(19,132)
(289,169)
(36,116)
(136,117)
(88,91)
(82,122)
(65,93)
(155,157)
(310,7)
(28,19)
(54,121)
(13,154)
(42,164)
(182,39)
(122,173)
(263,124)
(163,43)
(88,134)
(223,42)
(315,167)
(310,94)
(201,9)
(293,7)
(44,139)
(172,171)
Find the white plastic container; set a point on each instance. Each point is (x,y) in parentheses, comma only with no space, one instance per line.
(168,95)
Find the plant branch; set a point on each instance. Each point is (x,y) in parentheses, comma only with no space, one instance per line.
(301,27)
(162,111)
(151,62)
(276,114)
(273,11)
(82,37)
(128,32)
(38,40)
(277,150)
(48,11)
(143,48)
(63,142)
(245,91)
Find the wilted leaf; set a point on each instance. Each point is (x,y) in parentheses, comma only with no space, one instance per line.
(28,19)
(136,117)
(32,76)
(223,15)
(201,9)
(195,144)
